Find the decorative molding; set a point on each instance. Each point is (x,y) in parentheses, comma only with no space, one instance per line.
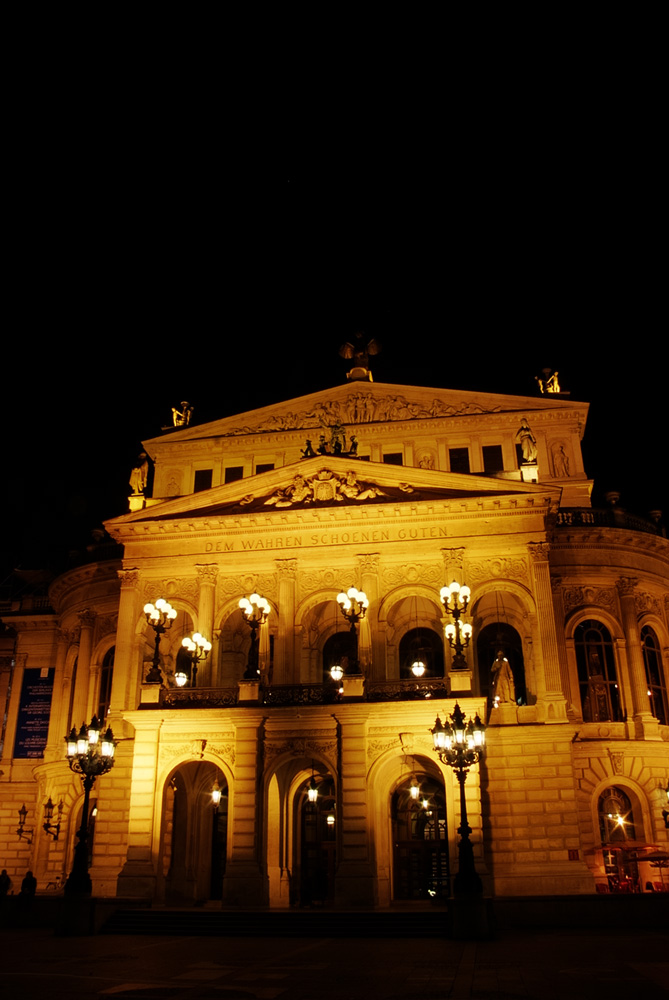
(357,408)
(497,567)
(286,568)
(577,597)
(539,551)
(394,576)
(368,562)
(626,585)
(307,746)
(646,603)
(207,573)
(617,761)
(128,577)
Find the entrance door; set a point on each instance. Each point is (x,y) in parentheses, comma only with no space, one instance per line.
(194,836)
(421,856)
(318,853)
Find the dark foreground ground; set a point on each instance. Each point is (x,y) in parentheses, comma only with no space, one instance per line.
(543,964)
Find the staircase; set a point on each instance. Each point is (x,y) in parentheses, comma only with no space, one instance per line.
(433,923)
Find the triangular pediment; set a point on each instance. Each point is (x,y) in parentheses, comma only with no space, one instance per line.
(360,403)
(329,481)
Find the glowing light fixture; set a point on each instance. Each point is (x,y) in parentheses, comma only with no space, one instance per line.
(199,648)
(255,610)
(160,617)
(353,605)
(52,829)
(455,600)
(460,744)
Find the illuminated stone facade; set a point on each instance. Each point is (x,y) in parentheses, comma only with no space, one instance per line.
(411,488)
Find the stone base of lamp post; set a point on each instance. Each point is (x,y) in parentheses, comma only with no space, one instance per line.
(353,685)
(150,694)
(459,681)
(249,691)
(470,918)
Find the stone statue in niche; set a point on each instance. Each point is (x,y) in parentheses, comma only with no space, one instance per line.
(504,689)
(560,462)
(527,442)
(139,474)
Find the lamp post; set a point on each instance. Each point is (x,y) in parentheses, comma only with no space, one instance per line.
(89,754)
(353,605)
(455,600)
(255,610)
(198,647)
(460,744)
(160,617)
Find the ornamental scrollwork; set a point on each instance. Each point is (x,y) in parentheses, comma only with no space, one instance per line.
(502,567)
(577,597)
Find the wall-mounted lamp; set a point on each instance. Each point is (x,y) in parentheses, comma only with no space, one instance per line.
(216,793)
(21,831)
(53,829)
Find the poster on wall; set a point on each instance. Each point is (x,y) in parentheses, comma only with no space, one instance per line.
(32,725)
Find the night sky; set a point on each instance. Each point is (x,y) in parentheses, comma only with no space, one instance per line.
(232,284)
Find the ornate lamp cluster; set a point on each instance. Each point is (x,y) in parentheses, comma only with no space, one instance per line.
(455,600)
(353,605)
(160,617)
(255,610)
(198,647)
(89,754)
(460,744)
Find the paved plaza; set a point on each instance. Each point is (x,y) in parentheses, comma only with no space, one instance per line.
(546,965)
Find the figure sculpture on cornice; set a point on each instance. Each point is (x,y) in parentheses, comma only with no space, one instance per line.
(359,352)
(527,441)
(181,418)
(139,474)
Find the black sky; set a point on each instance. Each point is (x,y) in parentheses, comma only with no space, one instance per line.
(158,256)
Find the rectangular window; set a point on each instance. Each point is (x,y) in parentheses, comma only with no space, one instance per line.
(492,459)
(394,458)
(202,479)
(264,467)
(233,473)
(459,459)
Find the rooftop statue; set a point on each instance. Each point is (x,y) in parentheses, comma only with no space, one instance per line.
(359,352)
(139,474)
(181,418)
(549,383)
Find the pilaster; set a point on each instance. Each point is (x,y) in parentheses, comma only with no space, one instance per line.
(645,724)
(553,696)
(207,576)
(354,881)
(243,884)
(283,649)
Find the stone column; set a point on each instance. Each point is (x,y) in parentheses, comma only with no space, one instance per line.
(60,705)
(644,720)
(370,649)
(82,679)
(125,680)
(285,653)
(558,606)
(138,875)
(553,698)
(243,883)
(354,881)
(207,575)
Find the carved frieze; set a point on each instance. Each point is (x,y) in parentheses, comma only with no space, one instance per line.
(223,748)
(357,408)
(323,579)
(186,588)
(309,745)
(578,597)
(645,604)
(395,576)
(497,567)
(243,584)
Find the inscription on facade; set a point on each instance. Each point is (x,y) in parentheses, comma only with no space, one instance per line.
(328,538)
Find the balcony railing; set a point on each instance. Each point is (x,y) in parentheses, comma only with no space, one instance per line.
(282,695)
(589,517)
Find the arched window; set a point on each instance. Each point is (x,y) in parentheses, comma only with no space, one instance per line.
(598,682)
(422,644)
(338,649)
(657,688)
(491,639)
(618,834)
(106,675)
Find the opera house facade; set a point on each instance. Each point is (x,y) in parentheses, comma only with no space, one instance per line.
(288,759)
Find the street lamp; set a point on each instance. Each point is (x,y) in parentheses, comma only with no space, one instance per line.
(460,744)
(255,610)
(89,754)
(455,600)
(160,617)
(198,647)
(21,831)
(353,605)
(48,826)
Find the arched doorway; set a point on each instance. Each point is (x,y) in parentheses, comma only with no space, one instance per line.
(194,835)
(317,842)
(618,832)
(420,838)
